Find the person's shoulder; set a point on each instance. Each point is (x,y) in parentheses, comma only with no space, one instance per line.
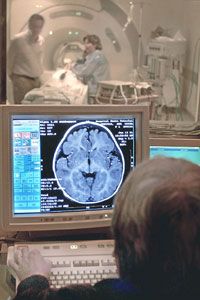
(74,292)
(116,289)
(99,55)
(18,37)
(41,39)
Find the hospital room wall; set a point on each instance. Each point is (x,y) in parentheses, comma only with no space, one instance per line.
(155,13)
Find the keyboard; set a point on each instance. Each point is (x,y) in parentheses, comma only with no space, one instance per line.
(80,262)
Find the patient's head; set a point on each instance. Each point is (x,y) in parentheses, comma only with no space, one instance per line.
(156,225)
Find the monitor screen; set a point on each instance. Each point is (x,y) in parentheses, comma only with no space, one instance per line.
(64,164)
(186,148)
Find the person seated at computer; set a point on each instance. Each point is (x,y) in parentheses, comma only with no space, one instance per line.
(94,67)
(156,227)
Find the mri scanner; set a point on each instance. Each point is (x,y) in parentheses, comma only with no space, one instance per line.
(67,22)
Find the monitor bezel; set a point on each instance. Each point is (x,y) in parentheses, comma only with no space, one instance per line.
(70,220)
(176,141)
(3,56)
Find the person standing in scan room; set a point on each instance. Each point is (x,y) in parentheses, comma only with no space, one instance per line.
(25,58)
(95,66)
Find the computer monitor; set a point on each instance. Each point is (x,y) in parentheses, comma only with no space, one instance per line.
(63,165)
(178,147)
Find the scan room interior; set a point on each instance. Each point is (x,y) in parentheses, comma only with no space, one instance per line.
(153,41)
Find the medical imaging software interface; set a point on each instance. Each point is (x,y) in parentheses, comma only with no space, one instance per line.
(69,163)
(186,152)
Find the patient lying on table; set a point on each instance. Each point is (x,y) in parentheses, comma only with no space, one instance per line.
(63,87)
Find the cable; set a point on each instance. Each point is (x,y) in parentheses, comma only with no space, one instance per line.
(123,95)
(129,17)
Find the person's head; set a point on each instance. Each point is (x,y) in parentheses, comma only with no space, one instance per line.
(92,42)
(35,24)
(156,224)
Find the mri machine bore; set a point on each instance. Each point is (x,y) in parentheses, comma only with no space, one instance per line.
(67,22)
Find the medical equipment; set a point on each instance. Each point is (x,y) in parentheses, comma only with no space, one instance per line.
(165,60)
(126,92)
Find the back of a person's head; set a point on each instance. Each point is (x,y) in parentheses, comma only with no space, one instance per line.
(156,225)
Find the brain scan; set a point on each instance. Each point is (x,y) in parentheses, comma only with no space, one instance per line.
(88,163)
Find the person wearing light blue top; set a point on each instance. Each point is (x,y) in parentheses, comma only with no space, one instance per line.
(95,66)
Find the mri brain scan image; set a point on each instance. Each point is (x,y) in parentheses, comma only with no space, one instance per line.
(88,163)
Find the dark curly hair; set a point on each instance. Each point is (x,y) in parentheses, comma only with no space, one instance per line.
(93,39)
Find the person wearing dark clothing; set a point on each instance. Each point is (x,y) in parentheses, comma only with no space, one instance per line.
(156,228)
(37,287)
